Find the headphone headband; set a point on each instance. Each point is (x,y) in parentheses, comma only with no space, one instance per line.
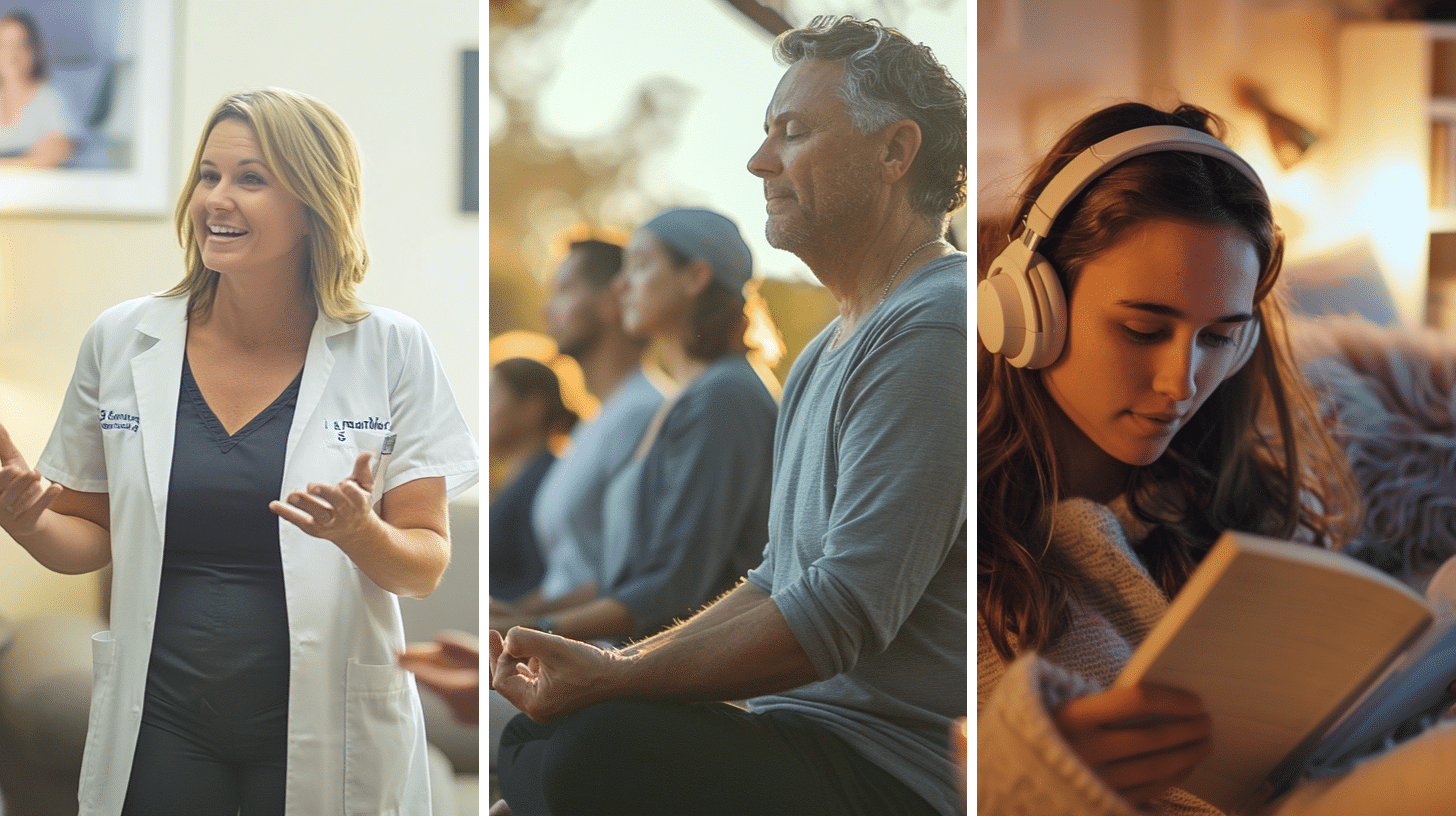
(1114,150)
(1021,311)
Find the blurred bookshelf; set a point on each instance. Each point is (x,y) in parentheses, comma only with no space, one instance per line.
(1397,111)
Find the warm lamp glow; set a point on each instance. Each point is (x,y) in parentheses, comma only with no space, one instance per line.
(1393,201)
(762,334)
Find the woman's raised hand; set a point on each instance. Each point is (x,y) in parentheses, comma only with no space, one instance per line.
(1141,740)
(24,495)
(335,512)
(404,547)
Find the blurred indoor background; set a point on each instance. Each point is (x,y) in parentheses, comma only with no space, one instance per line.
(1345,107)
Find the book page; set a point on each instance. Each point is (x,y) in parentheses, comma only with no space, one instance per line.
(1414,685)
(1276,638)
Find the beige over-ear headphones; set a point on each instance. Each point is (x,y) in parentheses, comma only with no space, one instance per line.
(1021,311)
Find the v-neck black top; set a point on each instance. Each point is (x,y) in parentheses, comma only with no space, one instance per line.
(221,638)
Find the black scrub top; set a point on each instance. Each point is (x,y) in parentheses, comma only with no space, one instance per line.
(221,638)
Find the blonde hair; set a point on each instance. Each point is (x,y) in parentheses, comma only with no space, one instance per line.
(314,156)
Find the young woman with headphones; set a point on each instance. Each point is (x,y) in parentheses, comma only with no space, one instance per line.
(1136,397)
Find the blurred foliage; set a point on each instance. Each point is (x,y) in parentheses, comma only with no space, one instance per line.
(544,190)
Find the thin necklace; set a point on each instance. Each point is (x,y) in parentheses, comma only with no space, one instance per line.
(886,293)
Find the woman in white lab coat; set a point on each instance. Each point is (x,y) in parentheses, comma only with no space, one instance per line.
(266,463)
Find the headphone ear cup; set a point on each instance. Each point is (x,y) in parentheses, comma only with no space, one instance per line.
(1021,312)
(1248,341)
(1052,308)
(1003,321)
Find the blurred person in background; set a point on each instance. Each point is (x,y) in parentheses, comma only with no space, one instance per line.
(36,126)
(526,414)
(584,317)
(688,514)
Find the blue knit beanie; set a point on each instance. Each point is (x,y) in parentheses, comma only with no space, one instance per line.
(703,234)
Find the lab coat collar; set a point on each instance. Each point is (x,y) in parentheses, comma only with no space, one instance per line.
(155,372)
(168,315)
(164,317)
(155,376)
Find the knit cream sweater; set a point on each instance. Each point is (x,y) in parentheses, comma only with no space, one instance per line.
(1023,764)
(1025,767)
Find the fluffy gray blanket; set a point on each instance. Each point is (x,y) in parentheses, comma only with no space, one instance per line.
(1393,395)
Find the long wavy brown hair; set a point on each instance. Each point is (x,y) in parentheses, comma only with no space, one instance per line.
(1258,456)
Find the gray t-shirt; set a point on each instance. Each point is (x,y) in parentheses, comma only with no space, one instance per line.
(46,115)
(689,518)
(867,532)
(567,513)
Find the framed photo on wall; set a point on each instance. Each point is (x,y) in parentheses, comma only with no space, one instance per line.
(470,131)
(101,75)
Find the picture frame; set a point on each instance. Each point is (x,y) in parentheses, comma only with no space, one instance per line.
(470,130)
(111,61)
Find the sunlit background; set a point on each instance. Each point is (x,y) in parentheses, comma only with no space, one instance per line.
(604,112)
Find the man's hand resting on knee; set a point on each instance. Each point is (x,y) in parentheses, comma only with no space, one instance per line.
(738,647)
(546,676)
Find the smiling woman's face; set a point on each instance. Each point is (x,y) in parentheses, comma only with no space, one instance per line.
(1152,324)
(244,220)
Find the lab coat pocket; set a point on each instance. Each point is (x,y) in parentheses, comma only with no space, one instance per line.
(93,762)
(379,738)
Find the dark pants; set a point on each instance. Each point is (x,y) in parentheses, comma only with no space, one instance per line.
(204,764)
(676,759)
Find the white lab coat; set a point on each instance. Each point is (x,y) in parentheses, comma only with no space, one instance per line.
(356,742)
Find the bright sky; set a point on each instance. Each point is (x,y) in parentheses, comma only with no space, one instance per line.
(615,45)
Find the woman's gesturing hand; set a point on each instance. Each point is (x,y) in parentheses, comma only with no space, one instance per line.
(24,495)
(404,547)
(1141,740)
(337,512)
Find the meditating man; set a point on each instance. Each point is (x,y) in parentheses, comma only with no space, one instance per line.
(850,637)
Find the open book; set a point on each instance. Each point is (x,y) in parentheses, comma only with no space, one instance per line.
(1301,655)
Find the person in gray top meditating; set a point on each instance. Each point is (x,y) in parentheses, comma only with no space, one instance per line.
(850,636)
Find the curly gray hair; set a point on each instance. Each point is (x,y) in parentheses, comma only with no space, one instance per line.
(888,78)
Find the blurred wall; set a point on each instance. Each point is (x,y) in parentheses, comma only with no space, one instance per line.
(393,72)
(1044,64)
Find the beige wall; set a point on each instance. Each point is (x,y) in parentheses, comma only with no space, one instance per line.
(392,70)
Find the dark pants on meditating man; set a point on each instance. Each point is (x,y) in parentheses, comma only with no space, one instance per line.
(702,759)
